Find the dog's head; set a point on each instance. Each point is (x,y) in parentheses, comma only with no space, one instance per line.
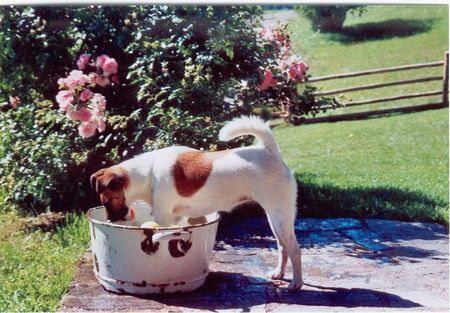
(110,183)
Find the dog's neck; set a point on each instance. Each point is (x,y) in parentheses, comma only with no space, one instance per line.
(139,187)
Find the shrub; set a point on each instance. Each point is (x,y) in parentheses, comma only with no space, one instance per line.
(283,75)
(179,74)
(35,49)
(189,60)
(31,154)
(329,18)
(41,45)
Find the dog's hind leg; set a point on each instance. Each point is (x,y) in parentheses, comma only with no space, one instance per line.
(283,228)
(278,273)
(281,211)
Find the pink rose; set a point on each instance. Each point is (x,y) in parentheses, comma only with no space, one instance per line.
(64,99)
(96,111)
(293,72)
(85,95)
(14,101)
(115,79)
(70,114)
(76,78)
(83,60)
(99,102)
(70,82)
(269,81)
(279,37)
(110,66)
(92,77)
(82,114)
(297,71)
(266,34)
(86,129)
(96,79)
(61,83)
(101,60)
(65,107)
(303,67)
(101,123)
(102,80)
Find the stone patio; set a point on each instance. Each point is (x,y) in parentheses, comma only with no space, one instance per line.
(348,265)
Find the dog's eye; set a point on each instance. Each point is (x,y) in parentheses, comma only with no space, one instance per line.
(115,184)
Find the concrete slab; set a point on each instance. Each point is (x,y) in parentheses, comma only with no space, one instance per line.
(348,265)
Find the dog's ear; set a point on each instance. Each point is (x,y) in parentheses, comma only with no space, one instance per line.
(94,180)
(112,178)
(115,182)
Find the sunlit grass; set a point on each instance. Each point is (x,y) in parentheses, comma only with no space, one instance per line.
(391,167)
(385,36)
(36,267)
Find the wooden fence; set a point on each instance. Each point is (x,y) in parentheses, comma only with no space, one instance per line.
(359,115)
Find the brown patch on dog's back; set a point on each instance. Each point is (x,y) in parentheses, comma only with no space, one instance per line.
(191,170)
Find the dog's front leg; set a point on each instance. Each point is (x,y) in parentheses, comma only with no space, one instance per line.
(163,213)
(181,210)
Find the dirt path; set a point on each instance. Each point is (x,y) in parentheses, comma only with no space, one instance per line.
(280,16)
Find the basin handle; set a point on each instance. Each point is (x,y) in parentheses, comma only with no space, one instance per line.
(172,234)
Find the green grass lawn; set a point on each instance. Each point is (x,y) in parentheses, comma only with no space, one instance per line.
(385,36)
(392,167)
(36,267)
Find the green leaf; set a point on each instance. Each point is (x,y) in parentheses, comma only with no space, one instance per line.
(230,52)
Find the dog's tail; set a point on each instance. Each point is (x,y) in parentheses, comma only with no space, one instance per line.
(251,125)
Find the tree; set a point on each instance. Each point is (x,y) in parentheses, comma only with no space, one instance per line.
(329,18)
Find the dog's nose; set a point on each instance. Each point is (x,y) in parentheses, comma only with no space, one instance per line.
(115,216)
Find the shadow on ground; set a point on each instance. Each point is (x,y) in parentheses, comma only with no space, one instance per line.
(382,30)
(224,290)
(319,200)
(386,241)
(327,200)
(379,240)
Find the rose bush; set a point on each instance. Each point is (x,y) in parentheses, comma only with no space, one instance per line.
(78,101)
(284,79)
(45,162)
(96,85)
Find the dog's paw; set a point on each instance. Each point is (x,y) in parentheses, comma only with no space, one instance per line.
(276,275)
(295,284)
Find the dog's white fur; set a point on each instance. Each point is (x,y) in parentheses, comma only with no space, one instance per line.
(256,172)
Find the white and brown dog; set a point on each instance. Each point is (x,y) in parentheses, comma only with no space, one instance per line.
(180,181)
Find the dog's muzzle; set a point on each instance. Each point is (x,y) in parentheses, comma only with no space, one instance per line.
(114,216)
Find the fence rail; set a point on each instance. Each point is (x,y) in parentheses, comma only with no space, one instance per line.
(382,85)
(376,71)
(285,112)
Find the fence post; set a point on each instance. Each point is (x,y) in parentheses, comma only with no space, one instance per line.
(445,89)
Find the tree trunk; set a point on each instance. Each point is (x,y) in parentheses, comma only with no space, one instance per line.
(332,23)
